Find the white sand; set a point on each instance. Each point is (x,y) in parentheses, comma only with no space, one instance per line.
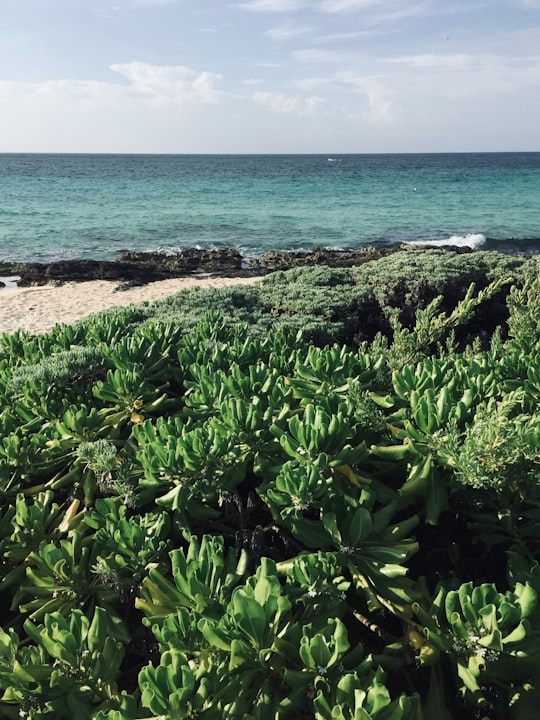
(38,309)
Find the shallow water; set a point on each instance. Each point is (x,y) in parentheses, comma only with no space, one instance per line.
(95,206)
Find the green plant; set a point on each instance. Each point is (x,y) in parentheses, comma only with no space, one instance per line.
(492,637)
(59,578)
(275,666)
(70,670)
(229,521)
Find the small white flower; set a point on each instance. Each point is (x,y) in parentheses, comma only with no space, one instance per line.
(299,504)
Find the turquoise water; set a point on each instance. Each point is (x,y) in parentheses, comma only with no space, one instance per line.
(56,207)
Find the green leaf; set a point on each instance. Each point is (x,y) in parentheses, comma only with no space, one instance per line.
(249,615)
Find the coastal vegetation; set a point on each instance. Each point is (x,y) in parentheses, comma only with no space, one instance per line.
(316,498)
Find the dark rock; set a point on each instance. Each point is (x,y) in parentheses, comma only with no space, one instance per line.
(458,249)
(138,268)
(188,261)
(282,260)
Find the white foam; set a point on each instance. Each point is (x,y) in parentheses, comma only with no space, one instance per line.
(471,240)
(9,283)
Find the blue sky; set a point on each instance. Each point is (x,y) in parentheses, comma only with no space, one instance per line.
(330,76)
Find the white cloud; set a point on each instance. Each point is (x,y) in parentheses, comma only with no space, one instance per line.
(329,7)
(335,6)
(108,12)
(272,5)
(162,84)
(285,104)
(405,11)
(286,32)
(378,96)
(311,55)
(341,37)
(74,89)
(85,91)
(9,88)
(153,3)
(449,62)
(381,12)
(522,64)
(308,84)
(170,83)
(380,105)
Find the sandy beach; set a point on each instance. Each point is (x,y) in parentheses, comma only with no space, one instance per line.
(37,309)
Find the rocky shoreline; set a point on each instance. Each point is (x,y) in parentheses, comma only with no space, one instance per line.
(139,268)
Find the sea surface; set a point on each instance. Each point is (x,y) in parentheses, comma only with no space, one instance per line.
(57,207)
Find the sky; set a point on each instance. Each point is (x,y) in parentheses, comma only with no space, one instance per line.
(269,76)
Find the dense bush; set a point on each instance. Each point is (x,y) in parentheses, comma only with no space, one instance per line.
(200,518)
(353,305)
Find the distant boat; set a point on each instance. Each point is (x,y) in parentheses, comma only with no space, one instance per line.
(334,159)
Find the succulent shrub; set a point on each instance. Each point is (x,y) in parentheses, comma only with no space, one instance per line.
(203,516)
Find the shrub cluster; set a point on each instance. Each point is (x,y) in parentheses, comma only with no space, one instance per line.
(352,305)
(205,514)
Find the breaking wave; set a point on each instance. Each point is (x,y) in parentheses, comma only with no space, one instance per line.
(472,240)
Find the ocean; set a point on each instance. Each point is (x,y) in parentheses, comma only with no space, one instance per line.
(58,207)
